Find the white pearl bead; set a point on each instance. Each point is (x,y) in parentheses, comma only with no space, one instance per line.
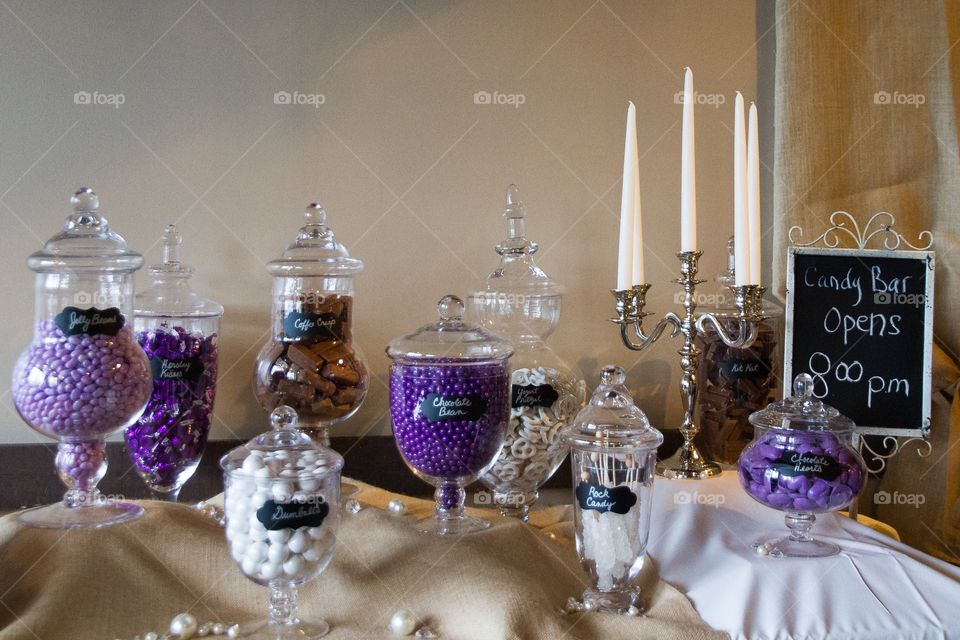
(396,507)
(184,626)
(250,567)
(150,635)
(234,631)
(403,622)
(219,628)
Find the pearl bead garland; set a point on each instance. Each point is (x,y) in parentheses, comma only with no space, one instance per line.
(403,622)
(184,626)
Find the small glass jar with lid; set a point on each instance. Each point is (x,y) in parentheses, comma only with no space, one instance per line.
(178,329)
(309,363)
(735,382)
(282,507)
(83,376)
(801,462)
(449,405)
(613,453)
(522,303)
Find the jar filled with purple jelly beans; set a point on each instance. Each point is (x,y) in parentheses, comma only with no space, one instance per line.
(83,376)
(801,461)
(450,406)
(178,329)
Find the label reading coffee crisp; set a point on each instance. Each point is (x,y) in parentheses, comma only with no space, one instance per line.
(794,463)
(73,321)
(438,408)
(291,515)
(597,497)
(322,327)
(533,395)
(185,369)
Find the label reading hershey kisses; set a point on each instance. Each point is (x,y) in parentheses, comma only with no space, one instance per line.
(794,463)
(533,395)
(292,515)
(73,321)
(322,327)
(183,369)
(438,408)
(597,497)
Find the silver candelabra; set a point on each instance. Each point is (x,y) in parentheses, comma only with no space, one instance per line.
(688,462)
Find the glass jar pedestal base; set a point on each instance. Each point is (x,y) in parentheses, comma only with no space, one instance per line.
(449,518)
(515,504)
(624,603)
(90,512)
(799,544)
(283,623)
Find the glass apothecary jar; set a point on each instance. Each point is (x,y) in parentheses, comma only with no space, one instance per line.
(282,506)
(310,363)
(84,376)
(801,462)
(733,383)
(449,405)
(178,329)
(613,453)
(520,302)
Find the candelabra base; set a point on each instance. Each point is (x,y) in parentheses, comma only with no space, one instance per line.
(688,464)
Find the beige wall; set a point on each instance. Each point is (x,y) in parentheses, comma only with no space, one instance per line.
(410,169)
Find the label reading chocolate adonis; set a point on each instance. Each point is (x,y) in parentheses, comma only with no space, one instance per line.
(322,327)
(438,408)
(533,395)
(73,321)
(291,515)
(597,497)
(184,369)
(794,463)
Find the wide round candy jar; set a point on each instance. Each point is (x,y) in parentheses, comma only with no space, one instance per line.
(449,404)
(83,376)
(282,508)
(802,462)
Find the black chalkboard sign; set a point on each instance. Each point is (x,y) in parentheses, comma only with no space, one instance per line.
(861,323)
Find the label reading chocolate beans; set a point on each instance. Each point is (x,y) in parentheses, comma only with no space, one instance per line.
(322,327)
(794,463)
(597,497)
(438,408)
(291,515)
(73,321)
(737,369)
(185,369)
(533,395)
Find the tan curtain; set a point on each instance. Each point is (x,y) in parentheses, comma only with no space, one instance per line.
(866,118)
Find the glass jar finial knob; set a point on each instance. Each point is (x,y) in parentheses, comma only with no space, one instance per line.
(283,417)
(85,200)
(450,307)
(612,375)
(803,386)
(315,214)
(171,245)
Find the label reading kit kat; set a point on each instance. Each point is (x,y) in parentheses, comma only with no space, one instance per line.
(291,515)
(185,369)
(323,327)
(533,395)
(794,463)
(439,408)
(595,497)
(737,368)
(73,321)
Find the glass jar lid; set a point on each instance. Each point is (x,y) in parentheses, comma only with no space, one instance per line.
(284,435)
(801,412)
(611,420)
(315,252)
(171,295)
(85,243)
(450,338)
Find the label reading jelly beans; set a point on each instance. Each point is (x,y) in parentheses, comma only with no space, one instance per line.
(597,497)
(324,327)
(794,463)
(439,408)
(184,369)
(74,321)
(533,395)
(292,515)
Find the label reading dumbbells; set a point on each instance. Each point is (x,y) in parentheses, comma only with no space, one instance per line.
(183,370)
(794,463)
(597,497)
(533,395)
(73,321)
(292,515)
(439,408)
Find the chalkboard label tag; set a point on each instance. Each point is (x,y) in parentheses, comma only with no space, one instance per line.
(743,369)
(73,321)
(322,327)
(440,408)
(275,516)
(811,465)
(533,395)
(597,497)
(181,369)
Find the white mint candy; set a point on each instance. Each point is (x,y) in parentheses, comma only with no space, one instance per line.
(312,555)
(282,491)
(257,551)
(309,484)
(250,567)
(269,571)
(293,566)
(315,532)
(257,534)
(299,542)
(280,536)
(278,553)
(252,464)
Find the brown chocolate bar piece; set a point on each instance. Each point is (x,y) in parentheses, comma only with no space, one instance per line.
(304,357)
(294,389)
(341,373)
